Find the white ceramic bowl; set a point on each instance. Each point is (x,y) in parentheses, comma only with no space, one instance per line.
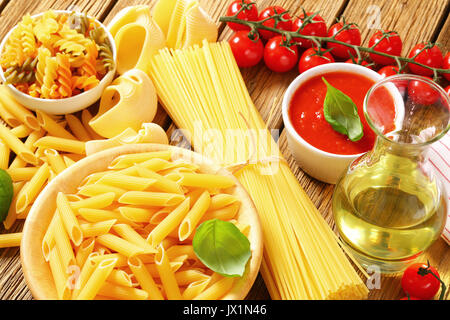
(66,105)
(319,164)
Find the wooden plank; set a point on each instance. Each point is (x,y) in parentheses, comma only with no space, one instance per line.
(444,36)
(415,20)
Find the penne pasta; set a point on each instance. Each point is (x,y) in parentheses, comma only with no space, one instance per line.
(137,214)
(122,293)
(120,245)
(96,280)
(58,272)
(144,278)
(21,131)
(217,290)
(86,116)
(167,275)
(207,181)
(69,219)
(92,190)
(126,232)
(10,239)
(86,271)
(16,145)
(61,144)
(55,160)
(22,174)
(99,215)
(157,199)
(77,128)
(4,156)
(97,228)
(126,182)
(21,113)
(128,160)
(194,289)
(52,127)
(120,277)
(194,215)
(162,183)
(84,250)
(8,117)
(33,187)
(49,237)
(95,202)
(62,242)
(225,213)
(221,200)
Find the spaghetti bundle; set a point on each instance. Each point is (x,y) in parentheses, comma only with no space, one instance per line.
(203,91)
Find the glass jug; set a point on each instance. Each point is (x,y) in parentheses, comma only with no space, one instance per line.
(389,206)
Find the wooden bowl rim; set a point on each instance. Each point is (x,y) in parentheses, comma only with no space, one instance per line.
(36,269)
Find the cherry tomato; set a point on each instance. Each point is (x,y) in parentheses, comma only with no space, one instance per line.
(351,36)
(281,25)
(246,51)
(388,42)
(409,298)
(388,71)
(420,286)
(446,65)
(317,27)
(279,58)
(447,89)
(363,63)
(422,93)
(310,59)
(430,57)
(250,13)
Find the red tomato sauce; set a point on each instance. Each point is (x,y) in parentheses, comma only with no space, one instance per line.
(307,118)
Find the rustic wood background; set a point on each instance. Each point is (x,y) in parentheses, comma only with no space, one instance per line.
(415,20)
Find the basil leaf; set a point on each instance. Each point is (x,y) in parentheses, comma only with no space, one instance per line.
(341,113)
(222,247)
(6,194)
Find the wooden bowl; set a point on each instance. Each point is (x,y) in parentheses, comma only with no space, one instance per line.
(37,271)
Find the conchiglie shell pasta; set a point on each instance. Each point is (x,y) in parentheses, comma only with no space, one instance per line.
(128,102)
(137,41)
(199,26)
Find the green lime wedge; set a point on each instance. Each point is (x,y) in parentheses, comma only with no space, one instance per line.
(6,193)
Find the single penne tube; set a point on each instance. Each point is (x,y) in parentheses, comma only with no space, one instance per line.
(97,280)
(18,162)
(170,223)
(61,144)
(21,113)
(59,275)
(127,160)
(120,277)
(62,242)
(16,145)
(155,199)
(122,293)
(120,245)
(49,237)
(207,181)
(222,200)
(86,271)
(137,214)
(84,250)
(69,219)
(8,117)
(179,250)
(162,183)
(167,275)
(192,218)
(77,128)
(126,232)
(4,155)
(225,213)
(10,239)
(94,177)
(121,259)
(194,289)
(126,182)
(160,215)
(86,116)
(22,174)
(99,215)
(156,164)
(55,160)
(21,131)
(217,290)
(186,277)
(151,268)
(52,127)
(144,278)
(97,228)
(95,202)
(33,187)
(92,190)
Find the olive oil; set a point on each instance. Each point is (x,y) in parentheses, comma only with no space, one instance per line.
(388,211)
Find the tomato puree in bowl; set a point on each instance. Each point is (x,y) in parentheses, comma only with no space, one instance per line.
(307,118)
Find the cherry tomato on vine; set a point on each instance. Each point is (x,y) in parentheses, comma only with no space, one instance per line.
(386,42)
(249,13)
(431,57)
(280,25)
(351,36)
(311,58)
(363,63)
(314,26)
(246,51)
(388,71)
(279,58)
(422,93)
(446,65)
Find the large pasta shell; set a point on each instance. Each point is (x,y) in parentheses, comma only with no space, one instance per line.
(127,15)
(175,23)
(128,102)
(162,13)
(199,26)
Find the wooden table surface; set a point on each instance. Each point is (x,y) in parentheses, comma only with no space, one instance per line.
(415,20)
